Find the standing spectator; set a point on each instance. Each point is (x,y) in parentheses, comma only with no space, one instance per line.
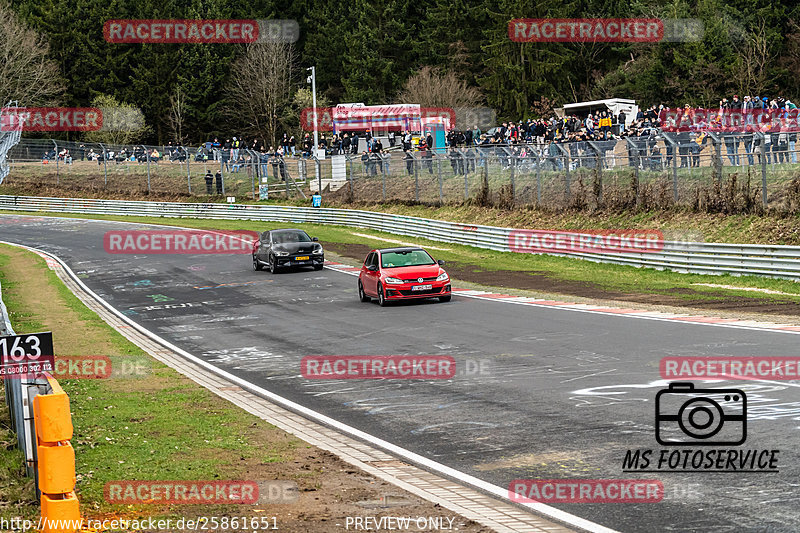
(282,165)
(605,125)
(589,123)
(427,156)
(747,110)
(209,183)
(453,156)
(409,159)
(235,146)
(783,142)
(476,133)
(469,157)
(354,143)
(429,140)
(391,139)
(225,154)
(274,162)
(366,162)
(292,145)
(285,143)
(218,176)
(386,157)
(375,161)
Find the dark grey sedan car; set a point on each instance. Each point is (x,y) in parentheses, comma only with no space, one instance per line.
(283,248)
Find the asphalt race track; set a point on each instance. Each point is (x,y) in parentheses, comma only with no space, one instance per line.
(562,394)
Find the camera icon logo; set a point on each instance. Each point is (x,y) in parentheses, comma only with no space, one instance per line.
(700,417)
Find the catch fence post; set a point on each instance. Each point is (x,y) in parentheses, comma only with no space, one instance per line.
(538,180)
(147,155)
(763,148)
(56,148)
(105,163)
(188,171)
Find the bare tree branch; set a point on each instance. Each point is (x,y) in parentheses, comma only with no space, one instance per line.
(26,73)
(429,87)
(261,89)
(177,115)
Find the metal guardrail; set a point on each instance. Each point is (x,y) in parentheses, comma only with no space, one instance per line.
(8,139)
(689,257)
(19,395)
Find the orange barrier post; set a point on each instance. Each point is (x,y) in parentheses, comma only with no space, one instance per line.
(56,461)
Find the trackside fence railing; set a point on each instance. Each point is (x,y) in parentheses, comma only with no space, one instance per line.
(743,171)
(19,393)
(681,256)
(41,419)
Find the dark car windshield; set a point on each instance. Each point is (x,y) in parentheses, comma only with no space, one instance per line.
(286,237)
(406,258)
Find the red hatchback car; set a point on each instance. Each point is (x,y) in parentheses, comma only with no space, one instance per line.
(402,274)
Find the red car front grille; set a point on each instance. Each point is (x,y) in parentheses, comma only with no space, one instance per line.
(435,290)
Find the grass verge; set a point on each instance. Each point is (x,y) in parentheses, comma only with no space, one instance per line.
(165,427)
(160,426)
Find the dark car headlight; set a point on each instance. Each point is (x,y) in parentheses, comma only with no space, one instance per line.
(281,253)
(318,250)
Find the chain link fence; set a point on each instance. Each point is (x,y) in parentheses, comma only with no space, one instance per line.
(165,170)
(700,170)
(658,170)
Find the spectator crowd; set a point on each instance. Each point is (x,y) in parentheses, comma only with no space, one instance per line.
(656,137)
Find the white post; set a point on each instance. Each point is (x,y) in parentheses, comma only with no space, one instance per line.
(314,105)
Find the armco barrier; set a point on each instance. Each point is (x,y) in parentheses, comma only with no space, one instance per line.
(16,390)
(694,257)
(56,468)
(49,457)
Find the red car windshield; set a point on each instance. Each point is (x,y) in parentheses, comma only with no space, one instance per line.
(406,258)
